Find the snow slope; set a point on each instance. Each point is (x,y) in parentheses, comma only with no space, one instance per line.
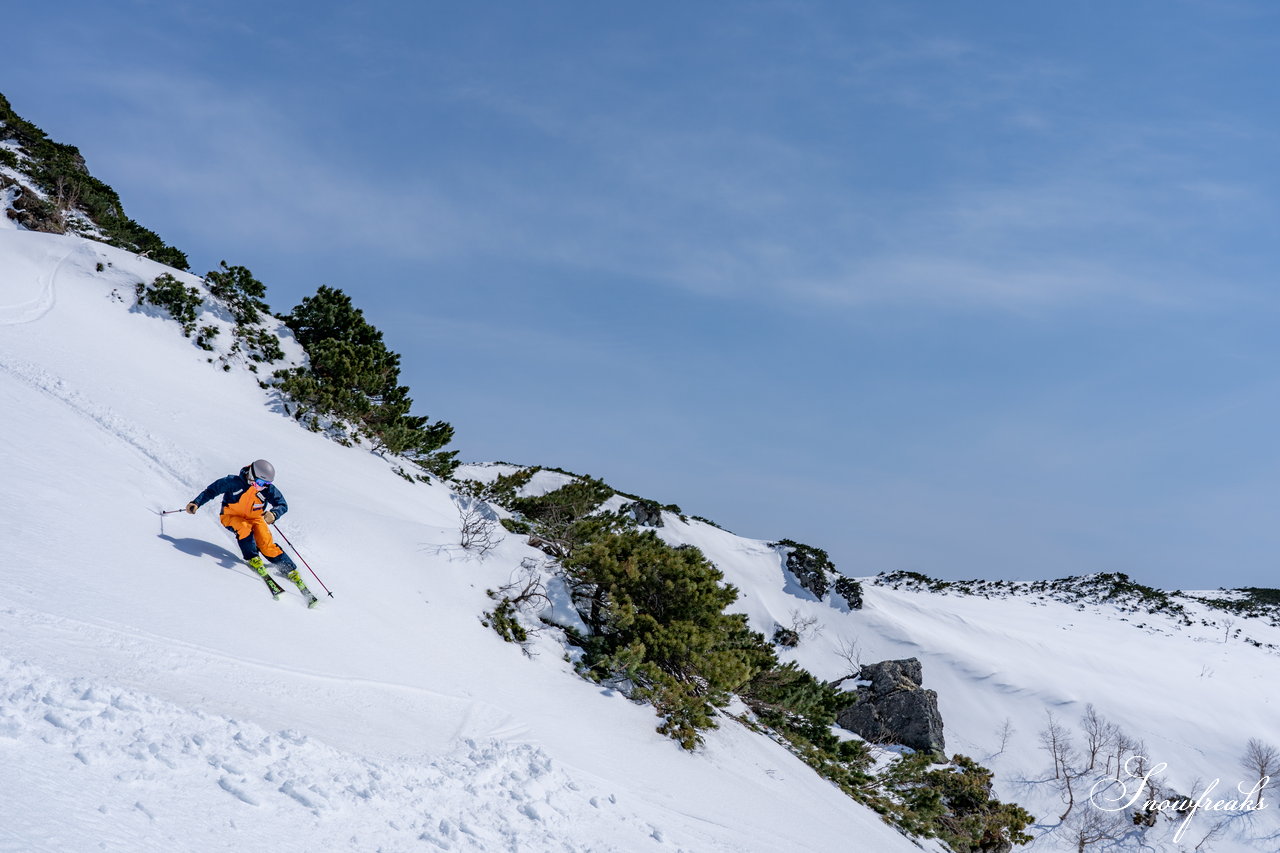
(154,697)
(1192,694)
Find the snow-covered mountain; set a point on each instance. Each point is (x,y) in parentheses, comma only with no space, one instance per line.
(154,697)
(1176,679)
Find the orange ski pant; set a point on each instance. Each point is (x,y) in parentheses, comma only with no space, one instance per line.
(245,527)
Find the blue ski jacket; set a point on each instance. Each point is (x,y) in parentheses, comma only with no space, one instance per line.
(232,488)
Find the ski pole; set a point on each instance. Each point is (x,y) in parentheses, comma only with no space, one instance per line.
(162,513)
(302,558)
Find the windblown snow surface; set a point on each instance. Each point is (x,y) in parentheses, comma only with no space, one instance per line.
(153,697)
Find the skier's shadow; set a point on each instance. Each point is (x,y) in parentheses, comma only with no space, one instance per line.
(201,548)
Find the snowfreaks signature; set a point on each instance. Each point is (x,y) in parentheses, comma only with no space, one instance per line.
(1112,796)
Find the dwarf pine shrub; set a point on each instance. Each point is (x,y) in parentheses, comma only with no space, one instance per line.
(501,490)
(850,590)
(954,803)
(60,172)
(182,302)
(241,293)
(658,625)
(354,379)
(204,340)
(570,502)
(810,565)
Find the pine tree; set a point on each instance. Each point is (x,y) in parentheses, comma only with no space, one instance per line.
(182,302)
(355,379)
(237,289)
(242,295)
(330,314)
(657,621)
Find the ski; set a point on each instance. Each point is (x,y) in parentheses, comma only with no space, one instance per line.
(312,601)
(255,563)
(276,589)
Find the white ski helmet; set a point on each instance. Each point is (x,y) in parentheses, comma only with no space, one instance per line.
(262,470)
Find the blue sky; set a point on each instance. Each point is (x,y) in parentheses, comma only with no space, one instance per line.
(973,289)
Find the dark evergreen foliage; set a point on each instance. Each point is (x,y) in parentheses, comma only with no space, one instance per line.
(354,379)
(182,302)
(60,172)
(1256,602)
(571,501)
(204,340)
(501,490)
(810,565)
(1113,588)
(786,637)
(954,803)
(850,590)
(241,294)
(502,619)
(657,619)
(237,289)
(657,628)
(520,528)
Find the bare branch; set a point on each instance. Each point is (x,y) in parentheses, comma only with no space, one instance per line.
(805,627)
(1261,759)
(477,528)
(1005,733)
(1099,735)
(1090,826)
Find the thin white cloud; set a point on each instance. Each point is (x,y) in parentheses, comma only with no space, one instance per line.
(733,209)
(242,170)
(750,211)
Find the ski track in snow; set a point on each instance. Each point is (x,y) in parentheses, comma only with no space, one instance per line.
(30,311)
(152,448)
(162,454)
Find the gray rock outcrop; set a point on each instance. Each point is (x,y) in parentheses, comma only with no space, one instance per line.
(895,707)
(646,513)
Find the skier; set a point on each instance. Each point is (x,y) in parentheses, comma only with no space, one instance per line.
(251,502)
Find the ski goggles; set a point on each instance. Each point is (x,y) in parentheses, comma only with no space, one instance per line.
(260,482)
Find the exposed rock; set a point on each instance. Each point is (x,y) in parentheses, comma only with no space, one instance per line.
(892,675)
(895,708)
(810,566)
(646,513)
(31,211)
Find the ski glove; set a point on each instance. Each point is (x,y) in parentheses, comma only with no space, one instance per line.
(192,507)
(269,517)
